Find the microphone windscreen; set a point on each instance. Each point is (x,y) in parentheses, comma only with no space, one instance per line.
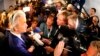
(37,37)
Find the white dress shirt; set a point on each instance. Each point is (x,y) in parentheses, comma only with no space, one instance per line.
(18,35)
(77,23)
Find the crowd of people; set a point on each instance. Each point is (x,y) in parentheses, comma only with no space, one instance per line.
(55,30)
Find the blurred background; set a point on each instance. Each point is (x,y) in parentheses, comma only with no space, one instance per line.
(4,4)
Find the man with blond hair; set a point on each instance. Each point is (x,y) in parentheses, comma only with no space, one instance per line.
(17,41)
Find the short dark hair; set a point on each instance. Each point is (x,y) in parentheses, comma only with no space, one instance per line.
(6,23)
(94,9)
(50,16)
(35,19)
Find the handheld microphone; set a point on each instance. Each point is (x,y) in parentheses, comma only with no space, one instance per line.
(36,37)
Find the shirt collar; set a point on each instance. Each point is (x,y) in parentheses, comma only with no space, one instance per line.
(18,35)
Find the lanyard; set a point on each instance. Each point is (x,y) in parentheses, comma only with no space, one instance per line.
(49,32)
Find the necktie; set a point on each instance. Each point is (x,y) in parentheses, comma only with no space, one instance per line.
(24,39)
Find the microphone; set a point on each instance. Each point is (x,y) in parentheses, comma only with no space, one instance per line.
(67,49)
(81,47)
(37,37)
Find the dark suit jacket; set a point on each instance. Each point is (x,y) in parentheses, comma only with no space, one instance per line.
(81,26)
(17,47)
(65,32)
(2,37)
